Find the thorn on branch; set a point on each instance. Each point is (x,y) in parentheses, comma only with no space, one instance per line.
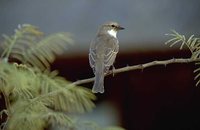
(141,67)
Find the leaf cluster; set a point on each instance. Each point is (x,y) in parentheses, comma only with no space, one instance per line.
(192,43)
(29,46)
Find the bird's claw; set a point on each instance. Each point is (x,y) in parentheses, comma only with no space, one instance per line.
(113,69)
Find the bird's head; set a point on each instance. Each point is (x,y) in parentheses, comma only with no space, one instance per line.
(111,28)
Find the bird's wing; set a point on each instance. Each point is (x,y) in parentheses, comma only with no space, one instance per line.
(92,57)
(93,52)
(105,49)
(111,51)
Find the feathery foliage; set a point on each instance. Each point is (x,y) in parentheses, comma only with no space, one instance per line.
(29,46)
(192,43)
(36,97)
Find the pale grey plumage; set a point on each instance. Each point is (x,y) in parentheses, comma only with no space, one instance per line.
(102,53)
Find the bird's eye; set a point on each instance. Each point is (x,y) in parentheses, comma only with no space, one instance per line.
(112,25)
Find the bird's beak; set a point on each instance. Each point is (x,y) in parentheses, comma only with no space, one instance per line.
(120,28)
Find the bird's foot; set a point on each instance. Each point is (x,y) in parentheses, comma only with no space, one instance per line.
(113,69)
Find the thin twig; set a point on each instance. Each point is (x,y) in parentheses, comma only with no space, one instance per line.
(140,67)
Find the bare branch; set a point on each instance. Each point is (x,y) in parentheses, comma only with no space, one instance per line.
(140,67)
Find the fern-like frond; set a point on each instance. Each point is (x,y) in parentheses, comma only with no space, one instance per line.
(176,38)
(37,115)
(25,34)
(43,53)
(58,118)
(24,122)
(34,91)
(197,73)
(59,95)
(44,107)
(29,47)
(5,70)
(192,43)
(18,81)
(24,83)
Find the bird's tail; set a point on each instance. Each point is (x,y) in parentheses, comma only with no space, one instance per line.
(99,79)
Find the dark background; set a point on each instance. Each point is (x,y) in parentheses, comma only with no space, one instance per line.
(156,98)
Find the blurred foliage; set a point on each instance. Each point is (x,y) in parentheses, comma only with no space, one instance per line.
(30,47)
(36,97)
(192,43)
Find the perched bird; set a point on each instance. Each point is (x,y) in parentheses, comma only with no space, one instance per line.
(102,53)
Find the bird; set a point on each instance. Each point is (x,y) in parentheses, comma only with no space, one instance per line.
(102,53)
